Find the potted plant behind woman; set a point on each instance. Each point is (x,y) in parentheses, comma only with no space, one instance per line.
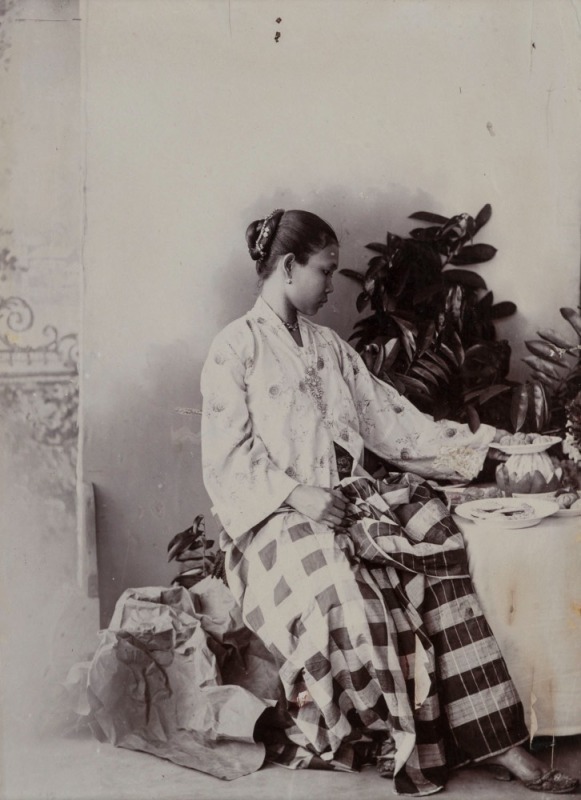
(431,332)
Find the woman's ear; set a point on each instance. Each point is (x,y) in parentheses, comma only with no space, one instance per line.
(288,263)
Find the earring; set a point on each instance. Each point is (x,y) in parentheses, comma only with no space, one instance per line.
(289,280)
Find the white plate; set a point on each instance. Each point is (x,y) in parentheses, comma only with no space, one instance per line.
(541,509)
(568,512)
(535,495)
(521,449)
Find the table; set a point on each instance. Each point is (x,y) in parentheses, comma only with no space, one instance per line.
(529,584)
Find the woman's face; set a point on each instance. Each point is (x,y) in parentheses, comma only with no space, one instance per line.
(313,281)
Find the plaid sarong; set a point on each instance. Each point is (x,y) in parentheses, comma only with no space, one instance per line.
(381,630)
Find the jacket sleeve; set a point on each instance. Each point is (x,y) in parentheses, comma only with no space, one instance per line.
(242,481)
(397,431)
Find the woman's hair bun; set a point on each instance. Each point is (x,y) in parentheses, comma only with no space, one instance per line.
(260,235)
(252,232)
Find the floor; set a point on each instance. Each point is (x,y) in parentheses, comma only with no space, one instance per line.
(77,767)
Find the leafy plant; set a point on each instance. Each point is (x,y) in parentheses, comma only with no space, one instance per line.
(555,374)
(193,550)
(431,332)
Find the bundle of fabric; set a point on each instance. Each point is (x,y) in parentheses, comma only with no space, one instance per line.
(171,678)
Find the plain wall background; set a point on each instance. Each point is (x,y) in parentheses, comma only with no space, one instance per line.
(47,621)
(197,122)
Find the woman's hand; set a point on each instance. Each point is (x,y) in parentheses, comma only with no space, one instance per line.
(320,505)
(493,453)
(500,433)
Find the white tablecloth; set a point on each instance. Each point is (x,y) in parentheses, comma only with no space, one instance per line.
(529,583)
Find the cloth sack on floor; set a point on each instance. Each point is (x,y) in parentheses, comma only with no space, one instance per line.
(156,681)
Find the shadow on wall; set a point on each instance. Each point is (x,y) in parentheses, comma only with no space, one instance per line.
(142,437)
(142,454)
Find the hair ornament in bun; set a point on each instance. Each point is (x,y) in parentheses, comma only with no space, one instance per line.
(267,232)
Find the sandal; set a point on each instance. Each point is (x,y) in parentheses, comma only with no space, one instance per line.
(552,782)
(385,758)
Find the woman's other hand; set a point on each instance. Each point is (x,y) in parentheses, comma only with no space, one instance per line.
(493,453)
(321,505)
(500,434)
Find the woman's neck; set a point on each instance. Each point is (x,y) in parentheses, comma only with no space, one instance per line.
(280,304)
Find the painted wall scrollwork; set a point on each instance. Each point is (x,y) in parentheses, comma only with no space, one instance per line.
(54,354)
(38,375)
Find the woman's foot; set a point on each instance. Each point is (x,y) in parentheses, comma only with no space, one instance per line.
(385,757)
(533,773)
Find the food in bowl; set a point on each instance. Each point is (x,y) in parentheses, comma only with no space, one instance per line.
(504,511)
(525,438)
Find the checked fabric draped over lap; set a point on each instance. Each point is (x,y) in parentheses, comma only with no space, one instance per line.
(382,627)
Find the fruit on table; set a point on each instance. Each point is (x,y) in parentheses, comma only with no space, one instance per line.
(529,473)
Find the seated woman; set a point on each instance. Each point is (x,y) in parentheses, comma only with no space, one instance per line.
(389,648)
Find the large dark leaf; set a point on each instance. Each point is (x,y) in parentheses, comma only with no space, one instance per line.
(393,240)
(377,247)
(397,384)
(427,338)
(418,371)
(504,309)
(573,318)
(377,365)
(472,417)
(474,254)
(409,343)
(362,301)
(464,277)
(186,541)
(434,367)
(485,303)
(369,354)
(457,348)
(482,217)
(549,383)
(519,406)
(484,395)
(480,352)
(405,324)
(546,351)
(351,273)
(408,336)
(449,353)
(538,401)
(375,266)
(414,385)
(428,216)
(391,349)
(544,366)
(369,286)
(554,338)
(438,360)
(425,234)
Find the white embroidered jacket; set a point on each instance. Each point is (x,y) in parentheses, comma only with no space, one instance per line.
(273,410)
